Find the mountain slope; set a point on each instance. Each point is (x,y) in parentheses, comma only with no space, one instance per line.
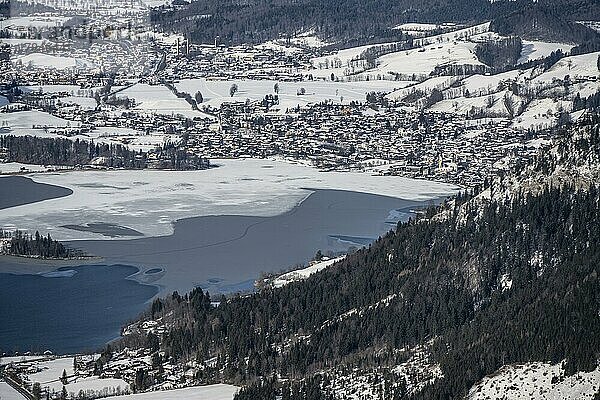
(507,275)
(359,22)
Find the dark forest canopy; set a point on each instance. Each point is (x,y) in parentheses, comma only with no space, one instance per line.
(61,151)
(355,22)
(23,244)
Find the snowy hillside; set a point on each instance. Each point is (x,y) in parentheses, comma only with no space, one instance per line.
(537,381)
(210,392)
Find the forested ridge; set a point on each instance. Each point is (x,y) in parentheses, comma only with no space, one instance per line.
(358,22)
(481,283)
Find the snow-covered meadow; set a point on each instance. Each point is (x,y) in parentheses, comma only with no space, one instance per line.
(55,62)
(537,380)
(49,373)
(149,200)
(304,273)
(209,392)
(216,92)
(8,393)
(160,100)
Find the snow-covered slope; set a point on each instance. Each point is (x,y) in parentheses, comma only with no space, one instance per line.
(209,392)
(304,273)
(533,50)
(580,66)
(56,62)
(537,381)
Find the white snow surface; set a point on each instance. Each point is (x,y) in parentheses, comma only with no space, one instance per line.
(150,200)
(51,371)
(19,359)
(534,381)
(438,82)
(39,21)
(56,62)
(209,392)
(304,273)
(533,50)
(22,122)
(14,167)
(581,66)
(8,393)
(159,99)
(422,61)
(215,92)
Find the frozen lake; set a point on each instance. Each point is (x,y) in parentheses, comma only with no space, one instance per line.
(226,253)
(80,308)
(231,223)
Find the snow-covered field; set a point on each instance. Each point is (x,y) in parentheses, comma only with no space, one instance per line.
(304,273)
(149,201)
(482,84)
(209,392)
(71,89)
(463,105)
(19,359)
(422,61)
(438,82)
(13,168)
(8,393)
(34,22)
(22,122)
(537,380)
(49,373)
(41,124)
(159,99)
(533,50)
(217,92)
(581,66)
(541,113)
(56,62)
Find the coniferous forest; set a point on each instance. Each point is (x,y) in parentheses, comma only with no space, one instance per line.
(23,244)
(484,283)
(358,22)
(58,151)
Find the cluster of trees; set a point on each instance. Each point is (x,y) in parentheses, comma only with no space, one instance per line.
(59,151)
(591,102)
(500,53)
(24,244)
(308,389)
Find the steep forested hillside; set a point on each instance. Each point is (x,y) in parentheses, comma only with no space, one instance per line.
(508,274)
(547,23)
(358,21)
(334,20)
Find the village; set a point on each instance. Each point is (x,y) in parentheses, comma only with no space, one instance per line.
(111,79)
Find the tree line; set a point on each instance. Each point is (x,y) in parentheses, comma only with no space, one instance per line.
(61,151)
(23,244)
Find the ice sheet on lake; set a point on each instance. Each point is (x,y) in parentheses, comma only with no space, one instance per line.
(149,201)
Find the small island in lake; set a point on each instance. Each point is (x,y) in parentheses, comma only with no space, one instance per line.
(23,244)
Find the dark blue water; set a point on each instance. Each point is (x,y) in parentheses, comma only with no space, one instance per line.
(79,309)
(18,190)
(69,310)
